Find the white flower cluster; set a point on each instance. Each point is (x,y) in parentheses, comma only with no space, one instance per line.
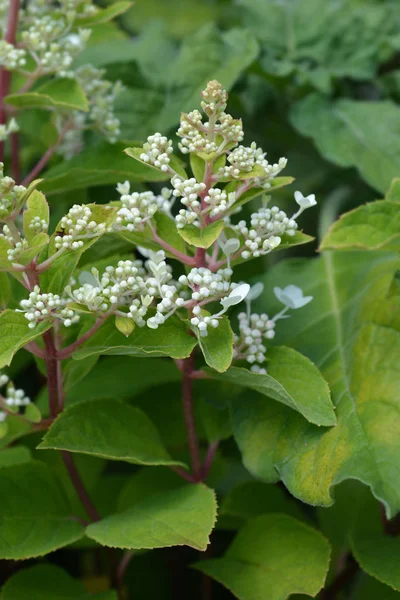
(11,57)
(136,210)
(10,195)
(157,151)
(13,398)
(244,159)
(40,307)
(214,97)
(18,245)
(267,226)
(219,201)
(101,95)
(202,322)
(193,133)
(188,190)
(253,329)
(206,284)
(76,226)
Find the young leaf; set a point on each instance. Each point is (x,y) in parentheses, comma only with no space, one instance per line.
(181,517)
(373,226)
(393,193)
(48,582)
(14,456)
(292,380)
(175,163)
(15,333)
(378,555)
(273,556)
(201,238)
(217,346)
(57,93)
(108,429)
(367,588)
(172,339)
(103,15)
(36,206)
(35,518)
(125,325)
(349,331)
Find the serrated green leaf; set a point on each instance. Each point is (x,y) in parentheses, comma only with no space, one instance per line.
(378,555)
(393,193)
(217,346)
(146,483)
(35,518)
(172,339)
(36,207)
(339,132)
(108,429)
(14,456)
(57,93)
(48,582)
(351,331)
(5,290)
(104,164)
(292,380)
(181,517)
(271,558)
(373,226)
(202,238)
(368,588)
(175,163)
(15,333)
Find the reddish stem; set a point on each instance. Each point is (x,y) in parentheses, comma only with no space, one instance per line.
(213,447)
(79,487)
(5,76)
(184,474)
(69,350)
(183,258)
(121,570)
(52,372)
(40,164)
(15,166)
(188,412)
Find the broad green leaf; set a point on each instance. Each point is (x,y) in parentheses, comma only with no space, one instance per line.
(5,290)
(165,228)
(254,498)
(172,339)
(175,163)
(5,264)
(14,456)
(37,243)
(393,193)
(146,483)
(217,346)
(108,429)
(202,238)
(102,15)
(180,517)
(275,184)
(15,334)
(48,582)
(272,557)
(13,429)
(370,589)
(58,93)
(374,226)
(36,207)
(351,331)
(378,555)
(116,377)
(35,518)
(292,380)
(104,164)
(339,132)
(125,325)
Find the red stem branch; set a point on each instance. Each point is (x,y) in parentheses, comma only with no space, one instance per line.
(213,447)
(40,164)
(5,76)
(79,486)
(69,350)
(188,413)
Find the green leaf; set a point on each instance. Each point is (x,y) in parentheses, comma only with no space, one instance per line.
(198,165)
(48,582)
(5,264)
(351,331)
(146,483)
(14,456)
(166,229)
(15,334)
(373,226)
(35,518)
(393,193)
(272,557)
(368,588)
(104,164)
(339,132)
(175,163)
(181,517)
(36,207)
(378,555)
(102,15)
(292,380)
(172,339)
(125,325)
(217,346)
(58,93)
(5,290)
(202,238)
(108,429)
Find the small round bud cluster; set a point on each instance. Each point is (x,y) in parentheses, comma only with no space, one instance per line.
(193,133)
(38,225)
(18,247)
(231,129)
(13,398)
(271,171)
(202,322)
(77,226)
(45,307)
(156,151)
(214,97)
(10,195)
(219,201)
(253,329)
(206,284)
(101,95)
(164,201)
(137,208)
(266,227)
(11,58)
(189,191)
